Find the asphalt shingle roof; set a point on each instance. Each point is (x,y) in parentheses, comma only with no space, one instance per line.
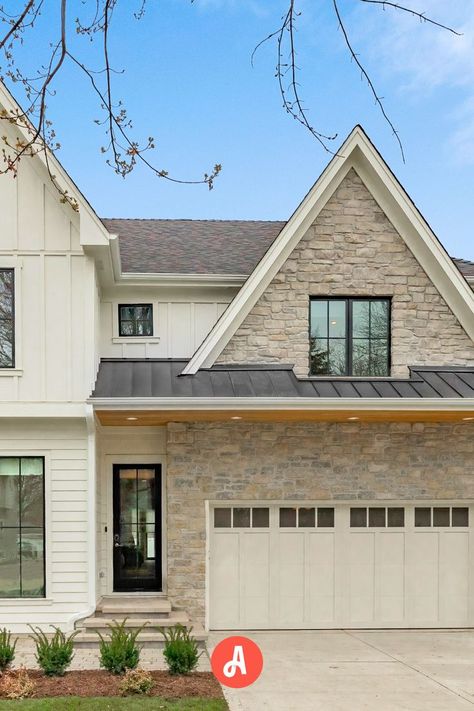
(201,246)
(161,378)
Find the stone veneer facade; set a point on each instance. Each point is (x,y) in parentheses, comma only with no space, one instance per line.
(284,461)
(351,250)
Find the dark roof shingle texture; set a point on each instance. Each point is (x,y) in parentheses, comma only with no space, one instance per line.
(162,378)
(192,246)
(201,246)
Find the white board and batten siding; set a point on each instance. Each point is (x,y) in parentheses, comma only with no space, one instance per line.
(180,324)
(63,444)
(341,576)
(55,295)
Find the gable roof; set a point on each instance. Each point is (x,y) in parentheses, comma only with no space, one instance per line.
(165,246)
(360,154)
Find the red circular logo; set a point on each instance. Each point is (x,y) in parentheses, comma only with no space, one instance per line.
(237,662)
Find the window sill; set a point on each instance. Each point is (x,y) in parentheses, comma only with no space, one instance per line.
(5,372)
(19,601)
(136,339)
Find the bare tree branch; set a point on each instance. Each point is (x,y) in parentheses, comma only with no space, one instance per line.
(421,15)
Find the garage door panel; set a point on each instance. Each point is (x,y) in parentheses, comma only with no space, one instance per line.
(320,605)
(390,577)
(454,577)
(255,574)
(291,578)
(225,581)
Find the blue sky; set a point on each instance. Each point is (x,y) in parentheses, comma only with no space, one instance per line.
(189,83)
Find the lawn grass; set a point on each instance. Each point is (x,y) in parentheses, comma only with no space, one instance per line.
(140,703)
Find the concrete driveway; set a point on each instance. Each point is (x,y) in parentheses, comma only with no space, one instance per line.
(355,671)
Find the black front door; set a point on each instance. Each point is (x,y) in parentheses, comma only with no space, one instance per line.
(137,527)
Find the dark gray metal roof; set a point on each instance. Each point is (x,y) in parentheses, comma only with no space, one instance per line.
(201,246)
(162,378)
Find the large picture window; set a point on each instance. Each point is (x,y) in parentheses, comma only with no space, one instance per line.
(22,527)
(350,336)
(136,320)
(7,318)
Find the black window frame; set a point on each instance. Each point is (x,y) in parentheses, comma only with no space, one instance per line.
(120,320)
(12,319)
(348,339)
(20,528)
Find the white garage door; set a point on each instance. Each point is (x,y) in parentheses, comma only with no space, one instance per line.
(308,566)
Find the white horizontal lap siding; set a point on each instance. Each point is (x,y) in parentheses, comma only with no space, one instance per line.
(64,446)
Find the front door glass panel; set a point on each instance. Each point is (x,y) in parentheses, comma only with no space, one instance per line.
(137,527)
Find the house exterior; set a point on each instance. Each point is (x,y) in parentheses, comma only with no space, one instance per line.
(261,424)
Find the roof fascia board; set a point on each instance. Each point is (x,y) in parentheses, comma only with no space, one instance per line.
(357,152)
(89,220)
(282,404)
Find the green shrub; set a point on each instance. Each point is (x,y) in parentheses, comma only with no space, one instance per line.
(53,655)
(120,650)
(136,681)
(17,685)
(7,649)
(181,650)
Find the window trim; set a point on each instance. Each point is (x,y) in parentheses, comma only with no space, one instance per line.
(135,336)
(43,598)
(349,337)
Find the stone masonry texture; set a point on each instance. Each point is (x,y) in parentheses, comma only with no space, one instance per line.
(285,461)
(351,250)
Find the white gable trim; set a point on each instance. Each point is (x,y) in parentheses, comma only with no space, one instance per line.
(359,153)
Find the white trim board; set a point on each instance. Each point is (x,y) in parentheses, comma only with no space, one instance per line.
(358,153)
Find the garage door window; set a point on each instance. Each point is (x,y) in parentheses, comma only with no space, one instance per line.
(442,516)
(304,517)
(242,517)
(377,517)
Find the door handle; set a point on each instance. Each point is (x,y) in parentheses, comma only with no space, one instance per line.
(116,541)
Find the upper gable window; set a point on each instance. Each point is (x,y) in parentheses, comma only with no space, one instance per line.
(7,318)
(350,336)
(136,320)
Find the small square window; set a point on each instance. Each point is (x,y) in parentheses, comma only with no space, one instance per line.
(358,517)
(260,518)
(325,518)
(222,518)
(422,516)
(136,320)
(441,516)
(306,518)
(241,518)
(460,516)
(377,518)
(395,517)
(287,518)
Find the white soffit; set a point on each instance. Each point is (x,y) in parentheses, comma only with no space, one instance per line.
(359,153)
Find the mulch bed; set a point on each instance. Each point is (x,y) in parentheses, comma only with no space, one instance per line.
(101,683)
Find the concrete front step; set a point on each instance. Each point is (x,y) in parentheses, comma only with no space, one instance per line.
(130,605)
(100,622)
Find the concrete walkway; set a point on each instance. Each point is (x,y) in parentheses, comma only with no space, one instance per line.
(360,671)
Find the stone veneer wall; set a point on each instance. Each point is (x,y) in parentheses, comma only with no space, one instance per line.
(283,461)
(351,250)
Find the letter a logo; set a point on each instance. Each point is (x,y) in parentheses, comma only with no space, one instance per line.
(237,662)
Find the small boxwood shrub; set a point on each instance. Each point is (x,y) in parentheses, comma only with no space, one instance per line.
(181,650)
(53,655)
(136,681)
(120,650)
(17,685)
(7,649)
